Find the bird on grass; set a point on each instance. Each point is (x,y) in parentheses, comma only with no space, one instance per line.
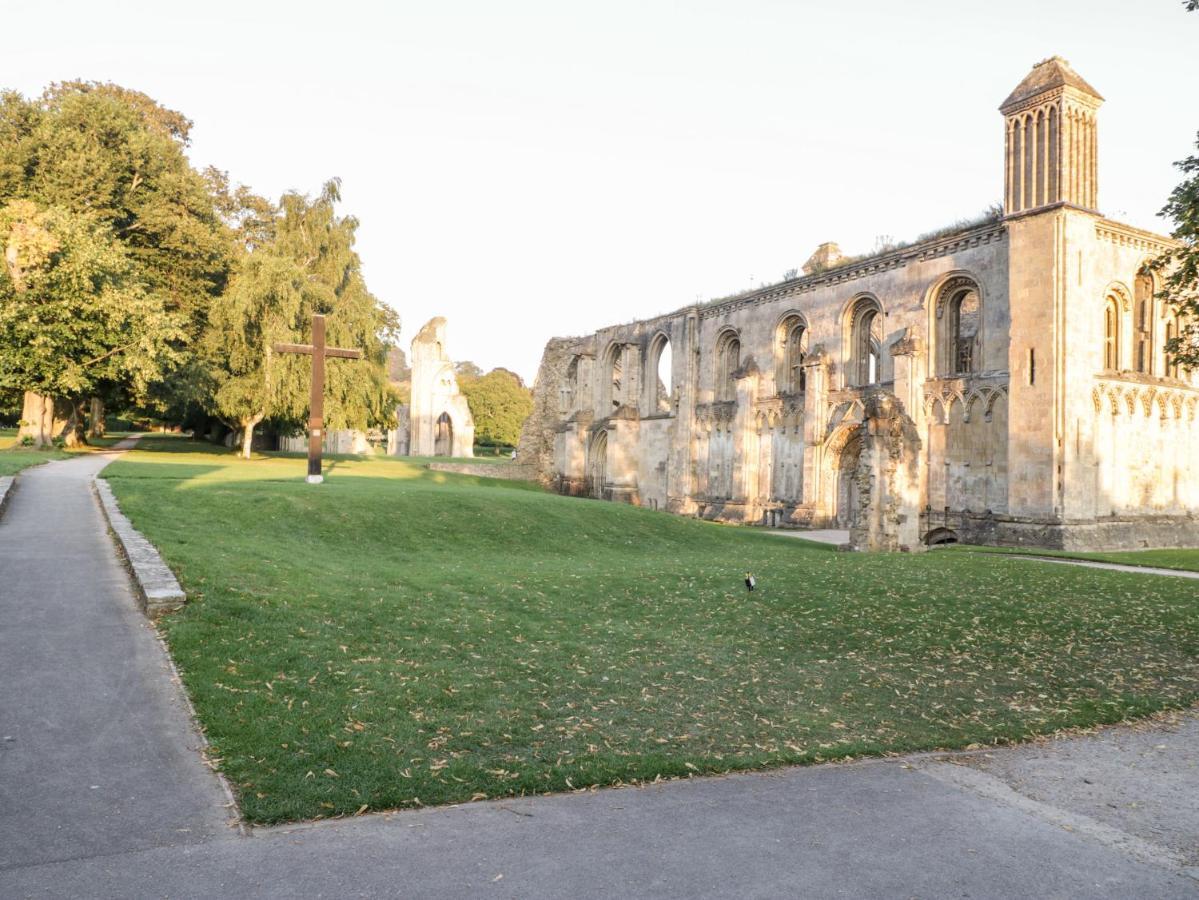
(750,583)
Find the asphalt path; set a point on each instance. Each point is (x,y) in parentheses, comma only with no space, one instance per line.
(104,792)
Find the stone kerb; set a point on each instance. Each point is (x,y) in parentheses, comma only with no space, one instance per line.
(157,587)
(6,486)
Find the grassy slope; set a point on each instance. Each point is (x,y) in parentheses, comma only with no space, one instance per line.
(397,637)
(1186,559)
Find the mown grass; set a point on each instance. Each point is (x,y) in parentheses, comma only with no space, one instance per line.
(1184,559)
(14,458)
(397,637)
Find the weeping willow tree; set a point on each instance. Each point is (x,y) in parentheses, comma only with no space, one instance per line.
(307,266)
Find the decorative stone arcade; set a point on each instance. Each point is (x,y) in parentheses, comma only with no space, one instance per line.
(1004,382)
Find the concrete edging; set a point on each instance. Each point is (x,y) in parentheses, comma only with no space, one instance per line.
(7,483)
(157,587)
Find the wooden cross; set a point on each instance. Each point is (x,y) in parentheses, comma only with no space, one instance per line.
(316,405)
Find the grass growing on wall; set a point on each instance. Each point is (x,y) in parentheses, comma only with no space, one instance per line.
(398,637)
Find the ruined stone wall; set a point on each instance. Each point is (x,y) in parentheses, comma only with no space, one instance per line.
(997,452)
(537,437)
(440,419)
(957,386)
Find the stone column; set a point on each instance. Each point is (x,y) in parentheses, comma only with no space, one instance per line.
(887,479)
(815,421)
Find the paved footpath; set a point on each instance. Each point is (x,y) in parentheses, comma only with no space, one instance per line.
(103,792)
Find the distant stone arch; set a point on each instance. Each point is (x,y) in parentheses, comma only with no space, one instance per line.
(443,441)
(847,496)
(597,464)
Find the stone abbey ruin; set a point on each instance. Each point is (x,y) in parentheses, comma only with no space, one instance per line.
(1003,383)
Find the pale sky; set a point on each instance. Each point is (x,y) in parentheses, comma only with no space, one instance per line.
(531,169)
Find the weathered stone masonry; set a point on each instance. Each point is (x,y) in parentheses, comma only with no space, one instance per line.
(1002,384)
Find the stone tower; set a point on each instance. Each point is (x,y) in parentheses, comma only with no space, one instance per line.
(441,423)
(1052,146)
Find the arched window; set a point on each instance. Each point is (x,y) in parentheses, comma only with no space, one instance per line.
(1142,324)
(728,361)
(659,374)
(958,328)
(963,314)
(792,346)
(1173,332)
(611,396)
(570,387)
(865,343)
(1111,335)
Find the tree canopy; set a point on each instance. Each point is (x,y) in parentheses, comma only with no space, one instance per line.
(1180,265)
(73,314)
(139,248)
(306,266)
(499,404)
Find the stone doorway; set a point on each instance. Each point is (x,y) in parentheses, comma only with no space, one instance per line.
(847,486)
(443,442)
(597,465)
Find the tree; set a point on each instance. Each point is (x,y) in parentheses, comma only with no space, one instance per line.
(499,405)
(307,266)
(116,158)
(466,370)
(73,316)
(1180,265)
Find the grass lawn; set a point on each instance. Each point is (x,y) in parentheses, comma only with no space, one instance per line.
(13,458)
(1187,559)
(398,637)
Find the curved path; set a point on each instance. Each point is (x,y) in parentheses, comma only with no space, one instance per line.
(103,792)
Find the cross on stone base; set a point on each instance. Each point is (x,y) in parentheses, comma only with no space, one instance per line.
(316,404)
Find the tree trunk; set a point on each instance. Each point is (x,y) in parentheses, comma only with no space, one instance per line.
(74,435)
(247,440)
(96,419)
(44,420)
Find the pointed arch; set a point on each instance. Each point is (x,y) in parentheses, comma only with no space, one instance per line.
(611,379)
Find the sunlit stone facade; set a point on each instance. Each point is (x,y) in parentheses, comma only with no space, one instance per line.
(1002,383)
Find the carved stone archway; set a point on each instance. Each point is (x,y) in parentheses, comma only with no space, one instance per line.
(443,437)
(597,464)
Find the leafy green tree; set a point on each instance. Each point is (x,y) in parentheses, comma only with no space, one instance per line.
(499,405)
(1180,265)
(117,157)
(73,317)
(308,266)
(466,370)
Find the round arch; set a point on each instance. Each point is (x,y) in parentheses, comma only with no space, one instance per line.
(790,350)
(728,362)
(862,334)
(659,373)
(955,303)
